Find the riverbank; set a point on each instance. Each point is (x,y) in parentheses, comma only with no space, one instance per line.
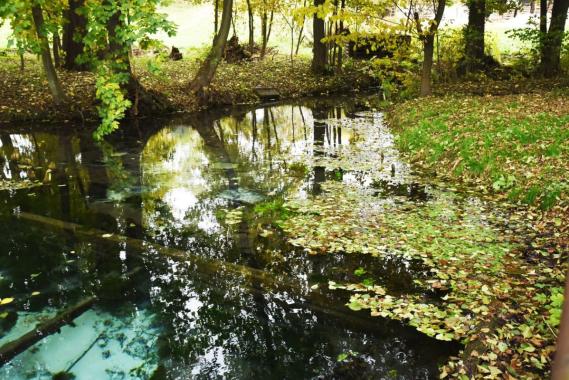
(25,96)
(514,149)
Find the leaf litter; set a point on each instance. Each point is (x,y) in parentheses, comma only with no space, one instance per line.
(499,301)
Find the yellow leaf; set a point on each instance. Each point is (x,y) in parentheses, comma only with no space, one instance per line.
(6,301)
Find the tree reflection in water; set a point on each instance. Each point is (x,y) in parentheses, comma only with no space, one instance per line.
(176,185)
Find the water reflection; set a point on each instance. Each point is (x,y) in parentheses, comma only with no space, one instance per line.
(168,233)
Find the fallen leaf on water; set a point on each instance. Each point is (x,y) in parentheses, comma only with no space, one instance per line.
(6,301)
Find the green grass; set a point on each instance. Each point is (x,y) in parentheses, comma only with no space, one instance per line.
(514,145)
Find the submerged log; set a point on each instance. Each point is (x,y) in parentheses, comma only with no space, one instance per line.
(313,299)
(51,326)
(15,347)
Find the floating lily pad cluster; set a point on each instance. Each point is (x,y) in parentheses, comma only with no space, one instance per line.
(481,289)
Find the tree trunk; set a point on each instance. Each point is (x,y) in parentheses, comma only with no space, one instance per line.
(266,26)
(269,29)
(251,26)
(341,31)
(216,19)
(301,32)
(22,63)
(233,22)
(428,38)
(543,18)
(299,40)
(73,34)
(292,43)
(551,48)
(428,50)
(49,69)
(207,70)
(264,33)
(56,57)
(319,53)
(474,35)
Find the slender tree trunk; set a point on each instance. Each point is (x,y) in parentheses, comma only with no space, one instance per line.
(266,26)
(334,44)
(251,26)
(269,29)
(340,49)
(329,43)
(233,22)
(299,40)
(474,35)
(49,69)
(207,70)
(319,53)
(551,48)
(428,50)
(73,34)
(264,20)
(56,56)
(300,32)
(22,63)
(292,43)
(428,38)
(216,18)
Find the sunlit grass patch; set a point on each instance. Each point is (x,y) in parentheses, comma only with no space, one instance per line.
(516,145)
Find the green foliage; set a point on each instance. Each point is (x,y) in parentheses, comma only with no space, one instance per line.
(450,52)
(360,271)
(346,355)
(137,21)
(113,102)
(553,303)
(555,306)
(273,210)
(528,58)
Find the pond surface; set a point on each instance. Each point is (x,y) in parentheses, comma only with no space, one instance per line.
(165,225)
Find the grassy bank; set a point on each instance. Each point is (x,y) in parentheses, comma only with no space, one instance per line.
(514,146)
(25,96)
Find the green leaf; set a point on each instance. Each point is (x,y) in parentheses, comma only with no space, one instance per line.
(360,271)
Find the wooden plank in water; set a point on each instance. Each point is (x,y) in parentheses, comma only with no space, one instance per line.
(267,93)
